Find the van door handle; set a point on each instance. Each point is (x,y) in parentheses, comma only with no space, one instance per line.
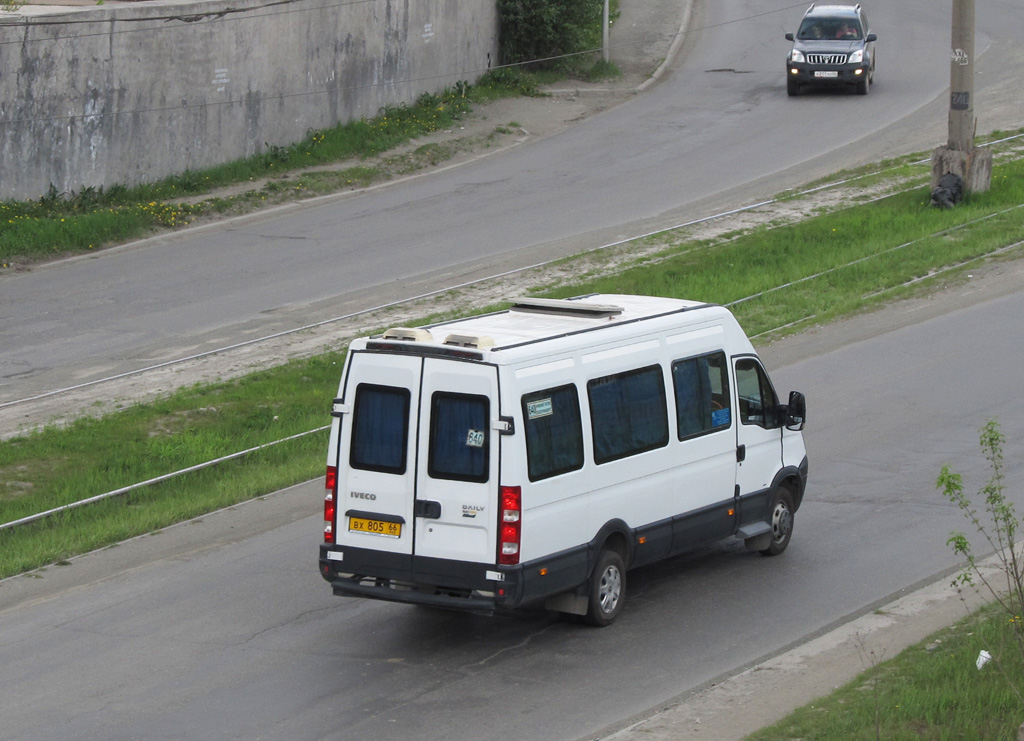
(427,508)
(741,453)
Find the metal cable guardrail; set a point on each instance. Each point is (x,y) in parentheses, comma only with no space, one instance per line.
(430,294)
(126,489)
(155,480)
(232,456)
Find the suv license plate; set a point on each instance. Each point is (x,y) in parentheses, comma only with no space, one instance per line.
(375,527)
(826,73)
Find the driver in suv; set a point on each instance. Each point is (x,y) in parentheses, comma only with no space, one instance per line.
(833,47)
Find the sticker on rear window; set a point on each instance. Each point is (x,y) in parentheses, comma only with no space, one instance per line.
(475,438)
(539,408)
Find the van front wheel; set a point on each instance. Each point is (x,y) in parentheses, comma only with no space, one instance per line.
(607,589)
(781,522)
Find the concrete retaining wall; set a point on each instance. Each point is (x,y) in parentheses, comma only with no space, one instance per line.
(133,92)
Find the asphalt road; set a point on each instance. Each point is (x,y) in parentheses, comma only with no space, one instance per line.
(223,628)
(717,132)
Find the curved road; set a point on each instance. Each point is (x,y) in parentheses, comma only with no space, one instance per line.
(715,133)
(223,628)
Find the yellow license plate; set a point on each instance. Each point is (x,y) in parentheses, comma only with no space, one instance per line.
(375,527)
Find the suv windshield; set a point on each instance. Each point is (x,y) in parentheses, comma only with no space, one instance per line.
(830,28)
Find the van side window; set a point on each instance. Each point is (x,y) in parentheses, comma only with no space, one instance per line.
(628,413)
(757,399)
(459,437)
(380,428)
(554,433)
(702,394)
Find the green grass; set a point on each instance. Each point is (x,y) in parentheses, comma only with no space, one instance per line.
(930,691)
(831,265)
(61,224)
(54,467)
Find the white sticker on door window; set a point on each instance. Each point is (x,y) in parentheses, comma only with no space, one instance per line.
(475,438)
(539,408)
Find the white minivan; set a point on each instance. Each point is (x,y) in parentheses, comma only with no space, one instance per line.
(532,456)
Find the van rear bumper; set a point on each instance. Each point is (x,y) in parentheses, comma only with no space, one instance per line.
(412,594)
(393,577)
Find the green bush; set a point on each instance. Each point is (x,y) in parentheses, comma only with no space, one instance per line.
(533,31)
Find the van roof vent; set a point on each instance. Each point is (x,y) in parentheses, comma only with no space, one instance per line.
(479,342)
(408,334)
(565,307)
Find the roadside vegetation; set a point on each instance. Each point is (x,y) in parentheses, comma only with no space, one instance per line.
(542,41)
(777,279)
(932,690)
(966,682)
(62,224)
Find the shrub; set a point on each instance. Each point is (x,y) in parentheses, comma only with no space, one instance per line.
(538,31)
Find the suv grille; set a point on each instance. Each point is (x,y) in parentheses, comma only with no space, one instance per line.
(826,58)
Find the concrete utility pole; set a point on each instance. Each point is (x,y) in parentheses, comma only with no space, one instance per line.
(606,32)
(959,156)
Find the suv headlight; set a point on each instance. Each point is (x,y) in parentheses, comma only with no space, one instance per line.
(856,57)
(796,56)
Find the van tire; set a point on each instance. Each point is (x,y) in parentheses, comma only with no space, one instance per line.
(607,589)
(781,521)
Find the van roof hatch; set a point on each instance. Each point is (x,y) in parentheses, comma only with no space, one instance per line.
(566,307)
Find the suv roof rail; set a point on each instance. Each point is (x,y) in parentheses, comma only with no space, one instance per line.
(809,9)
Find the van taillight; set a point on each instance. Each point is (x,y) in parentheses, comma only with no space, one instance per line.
(510,523)
(331,487)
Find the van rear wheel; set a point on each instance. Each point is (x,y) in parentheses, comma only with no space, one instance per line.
(781,522)
(607,589)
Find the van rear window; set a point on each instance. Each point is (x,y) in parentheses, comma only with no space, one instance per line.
(702,394)
(554,433)
(459,437)
(628,413)
(380,428)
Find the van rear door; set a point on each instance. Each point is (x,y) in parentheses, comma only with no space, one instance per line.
(418,458)
(458,449)
(377,453)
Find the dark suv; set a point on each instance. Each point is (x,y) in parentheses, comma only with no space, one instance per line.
(833,47)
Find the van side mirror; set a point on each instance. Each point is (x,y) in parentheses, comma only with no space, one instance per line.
(871,37)
(796,411)
(789,37)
